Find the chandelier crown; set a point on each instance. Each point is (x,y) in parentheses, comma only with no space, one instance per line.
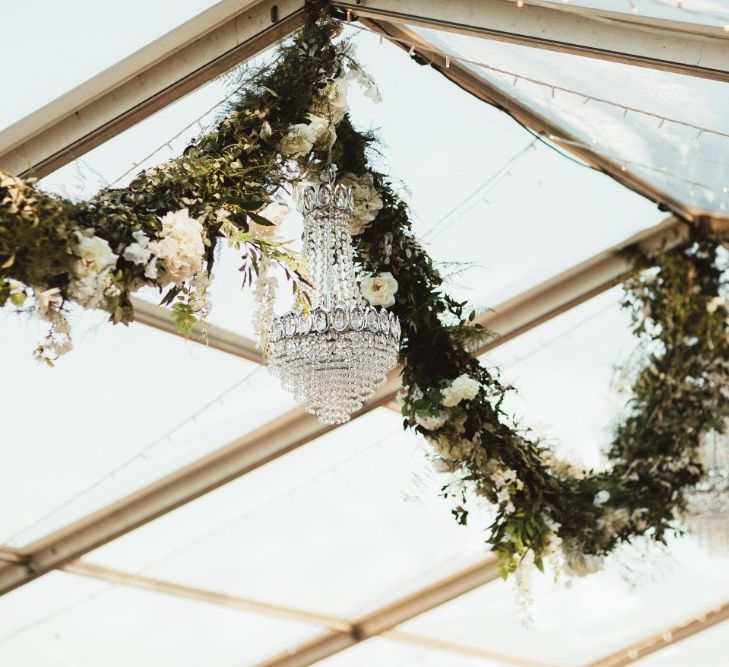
(334,357)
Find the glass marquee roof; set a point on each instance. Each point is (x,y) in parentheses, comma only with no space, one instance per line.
(349,526)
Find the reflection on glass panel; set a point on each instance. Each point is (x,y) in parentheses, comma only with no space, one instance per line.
(640,593)
(686,159)
(119,626)
(124,408)
(339,526)
(500,210)
(49,60)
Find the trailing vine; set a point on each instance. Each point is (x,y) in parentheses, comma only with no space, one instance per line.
(290,121)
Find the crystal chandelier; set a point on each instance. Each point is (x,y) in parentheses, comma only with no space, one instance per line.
(333,358)
(708,501)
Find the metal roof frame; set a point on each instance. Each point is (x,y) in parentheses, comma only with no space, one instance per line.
(631,39)
(217,40)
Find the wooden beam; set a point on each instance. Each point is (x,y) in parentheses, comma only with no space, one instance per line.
(213,336)
(634,652)
(86,569)
(669,46)
(388,617)
(189,56)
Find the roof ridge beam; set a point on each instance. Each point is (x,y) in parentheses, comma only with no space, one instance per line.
(671,46)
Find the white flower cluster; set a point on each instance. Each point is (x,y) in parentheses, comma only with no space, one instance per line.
(303,137)
(463,388)
(263,316)
(58,340)
(180,246)
(331,101)
(199,297)
(92,270)
(431,422)
(139,253)
(451,448)
(367,201)
(358,75)
(379,290)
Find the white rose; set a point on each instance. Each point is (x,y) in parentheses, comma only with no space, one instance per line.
(137,252)
(331,101)
(94,255)
(321,132)
(463,388)
(92,289)
(379,290)
(180,246)
(297,141)
(367,201)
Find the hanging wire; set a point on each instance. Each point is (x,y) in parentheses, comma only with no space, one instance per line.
(514,159)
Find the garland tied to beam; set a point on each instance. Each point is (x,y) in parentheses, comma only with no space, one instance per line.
(291,119)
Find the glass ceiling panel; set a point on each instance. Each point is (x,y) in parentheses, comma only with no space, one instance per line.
(589,97)
(638,594)
(63,620)
(339,526)
(56,46)
(124,408)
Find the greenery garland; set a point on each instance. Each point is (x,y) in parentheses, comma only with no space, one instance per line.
(158,230)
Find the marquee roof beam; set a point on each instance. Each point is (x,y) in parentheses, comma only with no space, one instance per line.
(148,80)
(296,427)
(213,336)
(388,617)
(634,652)
(465,78)
(672,46)
(86,569)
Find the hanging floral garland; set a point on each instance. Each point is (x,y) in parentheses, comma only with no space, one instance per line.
(162,231)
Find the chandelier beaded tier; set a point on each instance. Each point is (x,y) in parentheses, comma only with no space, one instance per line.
(334,357)
(708,501)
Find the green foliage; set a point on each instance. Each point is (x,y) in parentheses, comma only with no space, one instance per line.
(227,176)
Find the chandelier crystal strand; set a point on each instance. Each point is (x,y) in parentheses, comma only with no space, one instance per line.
(708,501)
(334,357)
